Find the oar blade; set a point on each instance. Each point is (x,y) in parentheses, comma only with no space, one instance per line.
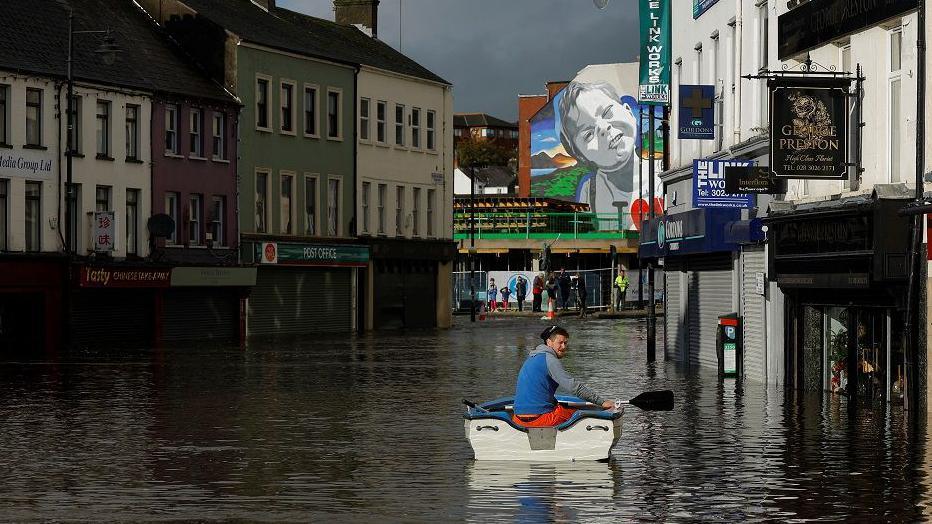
(654,401)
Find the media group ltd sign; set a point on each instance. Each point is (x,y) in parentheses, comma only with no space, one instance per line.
(26,164)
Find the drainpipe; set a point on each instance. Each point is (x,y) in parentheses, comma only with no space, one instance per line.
(738,54)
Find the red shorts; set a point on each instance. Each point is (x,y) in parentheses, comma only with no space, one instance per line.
(554,418)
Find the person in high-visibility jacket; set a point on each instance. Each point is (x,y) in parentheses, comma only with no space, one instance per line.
(621,282)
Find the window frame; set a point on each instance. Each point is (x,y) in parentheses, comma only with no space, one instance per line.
(263,110)
(38,125)
(430,211)
(4,214)
(291,108)
(415,211)
(399,210)
(218,206)
(172,209)
(103,130)
(316,110)
(171,116)
(132,223)
(196,136)
(314,231)
(132,132)
(431,126)
(894,128)
(195,220)
(106,203)
(76,146)
(29,201)
(337,204)
(366,196)
(339,116)
(282,177)
(381,125)
(415,127)
(382,192)
(365,134)
(5,90)
(400,128)
(267,173)
(219,140)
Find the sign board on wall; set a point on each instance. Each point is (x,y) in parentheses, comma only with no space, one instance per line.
(809,119)
(701,6)
(709,185)
(697,112)
(344,255)
(33,164)
(758,180)
(654,86)
(115,277)
(104,231)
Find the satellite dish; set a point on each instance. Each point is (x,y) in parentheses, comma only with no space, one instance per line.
(600,3)
(161,225)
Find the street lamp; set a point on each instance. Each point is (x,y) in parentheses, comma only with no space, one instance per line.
(107,52)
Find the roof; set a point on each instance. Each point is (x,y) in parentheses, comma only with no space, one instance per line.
(480,120)
(496,176)
(35,41)
(309,36)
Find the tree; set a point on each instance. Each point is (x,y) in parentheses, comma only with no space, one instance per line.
(482,153)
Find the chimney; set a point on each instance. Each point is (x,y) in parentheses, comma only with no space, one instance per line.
(358,13)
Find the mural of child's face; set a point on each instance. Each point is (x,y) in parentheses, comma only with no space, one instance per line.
(607,129)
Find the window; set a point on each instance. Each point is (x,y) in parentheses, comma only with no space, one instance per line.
(333,207)
(4,209)
(894,100)
(381,208)
(194,220)
(415,127)
(132,132)
(333,115)
(310,111)
(33,218)
(399,210)
(220,130)
(262,212)
(431,126)
(132,221)
(171,129)
(762,59)
(195,133)
(103,129)
(364,119)
(33,117)
(287,107)
(430,212)
(262,104)
(415,210)
(286,200)
(399,125)
(365,206)
(380,109)
(171,209)
(102,199)
(4,119)
(218,205)
(310,206)
(75,131)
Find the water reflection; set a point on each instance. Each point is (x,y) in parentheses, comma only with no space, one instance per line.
(370,427)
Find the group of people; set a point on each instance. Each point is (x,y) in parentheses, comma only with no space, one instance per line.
(560,288)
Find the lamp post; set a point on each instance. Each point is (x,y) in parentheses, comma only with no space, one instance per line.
(107,51)
(472,244)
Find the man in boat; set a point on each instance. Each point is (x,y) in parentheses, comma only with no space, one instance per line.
(535,404)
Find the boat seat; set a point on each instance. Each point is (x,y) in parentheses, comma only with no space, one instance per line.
(499,409)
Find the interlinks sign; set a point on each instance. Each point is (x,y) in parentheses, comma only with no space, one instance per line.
(809,131)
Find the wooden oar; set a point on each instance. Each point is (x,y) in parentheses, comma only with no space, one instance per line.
(648,401)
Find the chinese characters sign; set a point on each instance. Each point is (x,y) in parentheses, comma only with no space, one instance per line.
(654,86)
(810,127)
(709,185)
(104,231)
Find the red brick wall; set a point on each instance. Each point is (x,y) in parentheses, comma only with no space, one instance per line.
(528,106)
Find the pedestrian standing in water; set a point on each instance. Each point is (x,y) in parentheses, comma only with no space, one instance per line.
(491,295)
(506,293)
(520,292)
(564,282)
(551,286)
(538,291)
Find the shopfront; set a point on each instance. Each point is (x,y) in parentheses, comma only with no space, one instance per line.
(305,288)
(843,269)
(206,303)
(31,305)
(701,279)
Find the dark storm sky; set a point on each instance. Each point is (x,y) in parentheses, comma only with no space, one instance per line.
(494,50)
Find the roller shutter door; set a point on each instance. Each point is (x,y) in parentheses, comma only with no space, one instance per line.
(752,312)
(201,314)
(295,301)
(709,287)
(405,295)
(113,318)
(673,312)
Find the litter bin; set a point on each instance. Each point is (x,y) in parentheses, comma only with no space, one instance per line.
(729,346)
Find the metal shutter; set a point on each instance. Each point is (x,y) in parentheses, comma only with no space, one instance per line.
(113,318)
(203,314)
(295,301)
(673,310)
(710,292)
(421,296)
(405,295)
(752,312)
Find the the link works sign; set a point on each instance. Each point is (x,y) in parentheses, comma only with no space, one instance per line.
(312,254)
(654,88)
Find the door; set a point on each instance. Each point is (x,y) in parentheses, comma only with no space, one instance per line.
(210,314)
(298,301)
(752,313)
(710,291)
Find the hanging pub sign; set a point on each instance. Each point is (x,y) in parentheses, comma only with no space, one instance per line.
(654,85)
(757,180)
(809,127)
(697,112)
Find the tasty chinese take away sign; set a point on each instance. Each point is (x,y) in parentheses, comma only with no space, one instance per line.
(118,277)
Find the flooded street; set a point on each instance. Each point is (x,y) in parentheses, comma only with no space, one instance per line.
(371,429)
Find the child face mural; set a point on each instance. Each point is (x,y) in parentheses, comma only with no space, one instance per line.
(599,127)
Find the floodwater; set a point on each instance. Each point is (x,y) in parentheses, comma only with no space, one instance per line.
(371,429)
